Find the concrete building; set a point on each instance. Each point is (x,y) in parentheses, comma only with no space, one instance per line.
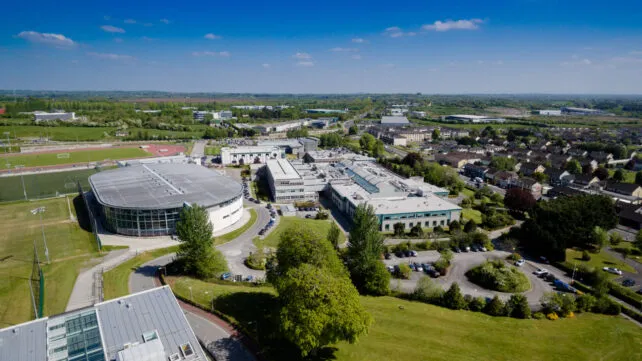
(418,114)
(145,326)
(146,199)
(325,111)
(334,156)
(286,184)
(394,121)
(289,146)
(250,154)
(46,116)
(463,118)
(582,111)
(550,112)
(278,127)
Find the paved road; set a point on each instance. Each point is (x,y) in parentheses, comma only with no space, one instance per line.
(199,149)
(395,151)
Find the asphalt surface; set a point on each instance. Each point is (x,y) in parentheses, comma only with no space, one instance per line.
(199,149)
(462,262)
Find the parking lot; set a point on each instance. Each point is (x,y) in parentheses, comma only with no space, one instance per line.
(461,263)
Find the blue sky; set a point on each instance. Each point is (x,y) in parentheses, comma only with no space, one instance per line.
(518,46)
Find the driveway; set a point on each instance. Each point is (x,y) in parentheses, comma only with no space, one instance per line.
(462,262)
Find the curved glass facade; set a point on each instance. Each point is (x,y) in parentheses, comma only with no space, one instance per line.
(141,222)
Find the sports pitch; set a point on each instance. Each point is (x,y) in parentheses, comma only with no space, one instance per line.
(44,185)
(82,156)
(70,247)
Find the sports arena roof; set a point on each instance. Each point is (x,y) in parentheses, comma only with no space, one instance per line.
(155,186)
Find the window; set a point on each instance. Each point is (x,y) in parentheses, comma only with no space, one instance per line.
(434,223)
(150,335)
(174,357)
(187,350)
(427,224)
(410,224)
(387,227)
(441,222)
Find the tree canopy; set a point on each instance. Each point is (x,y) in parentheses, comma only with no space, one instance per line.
(519,199)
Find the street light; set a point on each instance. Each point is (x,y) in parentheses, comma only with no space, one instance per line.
(39,211)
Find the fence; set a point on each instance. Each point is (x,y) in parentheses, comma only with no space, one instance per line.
(37,285)
(42,185)
(92,220)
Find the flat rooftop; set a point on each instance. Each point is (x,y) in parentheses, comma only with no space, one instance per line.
(249,149)
(281,169)
(153,186)
(394,120)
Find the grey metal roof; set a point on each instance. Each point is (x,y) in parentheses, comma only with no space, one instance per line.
(125,320)
(153,186)
(394,120)
(24,342)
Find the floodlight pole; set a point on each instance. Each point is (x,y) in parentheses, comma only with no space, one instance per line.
(33,298)
(44,238)
(24,190)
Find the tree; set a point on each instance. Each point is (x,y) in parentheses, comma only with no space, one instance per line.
(503,163)
(378,149)
(367,142)
(364,251)
(196,253)
(399,228)
(517,306)
(618,176)
(412,159)
(573,167)
(496,198)
(436,134)
(333,235)
(561,303)
(495,307)
(600,237)
(638,177)
(587,169)
(454,227)
(602,173)
(416,231)
(353,130)
(470,226)
(318,309)
(519,199)
(477,304)
(428,290)
(585,302)
(638,240)
(453,298)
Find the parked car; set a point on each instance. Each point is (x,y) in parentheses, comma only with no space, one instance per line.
(257,201)
(628,282)
(226,276)
(308,216)
(412,266)
(407,253)
(550,277)
(400,254)
(541,272)
(613,270)
(413,253)
(483,249)
(520,262)
(456,249)
(249,278)
(261,232)
(467,249)
(544,260)
(419,268)
(390,269)
(387,255)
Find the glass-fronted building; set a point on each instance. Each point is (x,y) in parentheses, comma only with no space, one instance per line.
(141,222)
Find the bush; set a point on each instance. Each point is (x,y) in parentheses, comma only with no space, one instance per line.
(615,239)
(514,257)
(624,294)
(422,246)
(539,316)
(454,227)
(477,304)
(498,276)
(428,291)
(561,304)
(585,303)
(453,298)
(470,226)
(441,265)
(322,215)
(495,307)
(586,256)
(404,271)
(552,316)
(517,306)
(256,260)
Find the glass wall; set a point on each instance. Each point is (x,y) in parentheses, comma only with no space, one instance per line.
(141,222)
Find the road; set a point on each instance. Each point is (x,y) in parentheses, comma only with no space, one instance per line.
(395,151)
(472,184)
(199,149)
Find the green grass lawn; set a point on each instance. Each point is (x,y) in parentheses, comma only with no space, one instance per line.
(469,213)
(43,185)
(629,176)
(213,150)
(404,330)
(628,245)
(70,247)
(320,227)
(116,280)
(58,133)
(83,156)
(598,260)
(237,232)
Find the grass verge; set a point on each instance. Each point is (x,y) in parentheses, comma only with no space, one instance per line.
(469,213)
(320,227)
(598,260)
(237,232)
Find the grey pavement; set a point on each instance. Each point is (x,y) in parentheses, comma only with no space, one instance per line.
(198,150)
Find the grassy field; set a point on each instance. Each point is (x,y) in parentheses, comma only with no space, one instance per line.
(629,176)
(598,260)
(43,185)
(213,150)
(116,280)
(469,213)
(70,247)
(320,227)
(58,133)
(237,232)
(83,156)
(628,246)
(404,330)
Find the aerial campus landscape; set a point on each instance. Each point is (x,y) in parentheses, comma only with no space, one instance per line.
(366,181)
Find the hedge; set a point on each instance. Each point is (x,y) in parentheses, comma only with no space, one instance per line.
(629,312)
(624,294)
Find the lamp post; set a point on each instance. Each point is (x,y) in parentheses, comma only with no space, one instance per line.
(39,211)
(22,179)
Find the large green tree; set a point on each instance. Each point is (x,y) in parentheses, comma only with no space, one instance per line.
(334,235)
(196,253)
(318,308)
(573,167)
(364,251)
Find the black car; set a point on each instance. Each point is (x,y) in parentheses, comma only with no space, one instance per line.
(550,277)
(400,254)
(261,232)
(257,201)
(387,255)
(639,291)
(456,249)
(407,253)
(628,282)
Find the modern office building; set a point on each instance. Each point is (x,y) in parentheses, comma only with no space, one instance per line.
(325,111)
(146,199)
(549,112)
(289,146)
(145,326)
(46,116)
(463,118)
(250,154)
(286,184)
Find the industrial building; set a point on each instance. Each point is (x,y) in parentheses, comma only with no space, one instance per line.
(46,116)
(145,326)
(462,118)
(278,127)
(394,121)
(288,185)
(549,112)
(199,115)
(250,154)
(146,199)
(583,111)
(325,111)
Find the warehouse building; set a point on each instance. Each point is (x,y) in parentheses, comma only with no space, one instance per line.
(250,154)
(46,116)
(394,121)
(462,118)
(145,326)
(146,199)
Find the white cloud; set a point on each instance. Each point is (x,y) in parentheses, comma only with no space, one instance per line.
(109,56)
(129,21)
(148,24)
(302,56)
(118,40)
(305,63)
(112,29)
(211,53)
(164,21)
(356,57)
(266,65)
(472,24)
(211,36)
(359,40)
(347,50)
(396,32)
(57,40)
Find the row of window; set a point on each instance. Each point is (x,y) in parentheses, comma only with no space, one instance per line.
(411,224)
(417,216)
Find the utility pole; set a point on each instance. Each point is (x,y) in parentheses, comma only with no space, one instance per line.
(40,210)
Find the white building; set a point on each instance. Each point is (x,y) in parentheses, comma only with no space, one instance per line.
(550,112)
(46,116)
(394,121)
(279,127)
(464,118)
(250,154)
(418,114)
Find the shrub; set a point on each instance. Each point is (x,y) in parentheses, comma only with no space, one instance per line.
(404,271)
(322,215)
(422,246)
(439,229)
(514,256)
(495,307)
(441,265)
(453,298)
(498,276)
(552,316)
(606,306)
(585,303)
(586,256)
(539,316)
(624,294)
(561,304)
(447,255)
(517,306)
(615,238)
(477,304)
(428,291)
(416,231)
(470,226)
(454,227)
(256,260)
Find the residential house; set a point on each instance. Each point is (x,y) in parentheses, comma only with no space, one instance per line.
(589,162)
(559,161)
(528,169)
(531,185)
(457,160)
(627,189)
(475,171)
(585,180)
(577,152)
(563,191)
(601,157)
(630,215)
(559,177)
(505,179)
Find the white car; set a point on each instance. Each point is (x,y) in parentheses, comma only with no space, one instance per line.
(541,272)
(613,270)
(483,249)
(520,262)
(419,268)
